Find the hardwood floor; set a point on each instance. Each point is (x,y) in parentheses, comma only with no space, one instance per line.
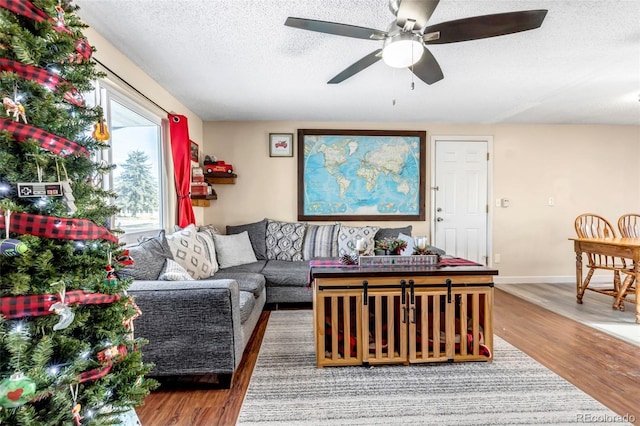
(606,368)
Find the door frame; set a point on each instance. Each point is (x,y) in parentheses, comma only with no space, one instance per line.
(432,179)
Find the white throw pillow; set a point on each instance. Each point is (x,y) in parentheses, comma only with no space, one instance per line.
(174,272)
(234,250)
(190,252)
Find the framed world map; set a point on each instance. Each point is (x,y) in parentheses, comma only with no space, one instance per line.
(361,175)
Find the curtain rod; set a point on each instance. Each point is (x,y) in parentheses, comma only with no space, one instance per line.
(128,84)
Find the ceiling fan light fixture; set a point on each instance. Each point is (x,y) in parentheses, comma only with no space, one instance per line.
(402,50)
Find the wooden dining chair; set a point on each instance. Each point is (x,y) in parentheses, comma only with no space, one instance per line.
(629,225)
(589,225)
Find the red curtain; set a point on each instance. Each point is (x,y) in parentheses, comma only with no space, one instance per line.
(181,150)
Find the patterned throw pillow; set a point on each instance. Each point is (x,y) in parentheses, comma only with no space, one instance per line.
(284,240)
(174,272)
(190,252)
(348,235)
(320,241)
(206,238)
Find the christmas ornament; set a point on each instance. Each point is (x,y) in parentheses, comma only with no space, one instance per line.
(16,390)
(75,411)
(111,279)
(14,108)
(69,199)
(10,247)
(39,189)
(100,131)
(115,353)
(61,309)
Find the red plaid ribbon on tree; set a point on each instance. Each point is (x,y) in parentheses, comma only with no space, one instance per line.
(49,141)
(44,77)
(57,227)
(29,10)
(37,305)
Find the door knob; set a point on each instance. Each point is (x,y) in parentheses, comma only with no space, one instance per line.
(439,219)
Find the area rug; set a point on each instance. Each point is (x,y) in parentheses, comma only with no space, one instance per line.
(286,388)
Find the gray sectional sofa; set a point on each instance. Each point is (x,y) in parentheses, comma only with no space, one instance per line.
(201,293)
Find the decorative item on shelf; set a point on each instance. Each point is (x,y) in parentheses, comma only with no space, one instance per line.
(391,245)
(218,167)
(195,151)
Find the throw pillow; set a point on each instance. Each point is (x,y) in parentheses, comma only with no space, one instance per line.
(320,241)
(174,272)
(257,235)
(211,229)
(348,235)
(207,239)
(190,252)
(234,250)
(148,259)
(284,240)
(393,232)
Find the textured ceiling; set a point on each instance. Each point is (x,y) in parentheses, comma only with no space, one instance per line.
(236,60)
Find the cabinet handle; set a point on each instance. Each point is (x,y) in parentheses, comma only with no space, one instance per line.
(412,292)
(405,314)
(448,281)
(413,317)
(365,286)
(403,286)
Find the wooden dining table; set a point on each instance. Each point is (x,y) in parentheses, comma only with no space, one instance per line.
(626,248)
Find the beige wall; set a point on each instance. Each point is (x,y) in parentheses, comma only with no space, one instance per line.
(111,57)
(584,168)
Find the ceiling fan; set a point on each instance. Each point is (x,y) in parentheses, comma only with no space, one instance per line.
(405,41)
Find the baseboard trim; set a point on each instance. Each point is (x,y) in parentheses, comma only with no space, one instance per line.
(559,279)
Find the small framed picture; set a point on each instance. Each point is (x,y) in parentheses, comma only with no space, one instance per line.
(280,144)
(195,151)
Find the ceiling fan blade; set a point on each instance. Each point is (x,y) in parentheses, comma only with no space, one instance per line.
(336,28)
(427,68)
(417,10)
(483,26)
(356,67)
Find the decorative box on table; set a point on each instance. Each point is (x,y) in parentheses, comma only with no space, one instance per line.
(398,260)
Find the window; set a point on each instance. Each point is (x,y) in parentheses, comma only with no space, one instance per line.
(136,139)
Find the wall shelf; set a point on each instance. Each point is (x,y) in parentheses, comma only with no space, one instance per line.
(203,200)
(221,178)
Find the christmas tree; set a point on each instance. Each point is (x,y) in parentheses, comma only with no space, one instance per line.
(67,350)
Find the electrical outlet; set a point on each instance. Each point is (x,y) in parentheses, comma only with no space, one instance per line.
(551,201)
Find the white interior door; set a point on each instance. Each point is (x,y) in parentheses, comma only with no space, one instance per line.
(460,197)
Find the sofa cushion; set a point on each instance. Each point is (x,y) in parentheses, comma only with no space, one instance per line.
(348,235)
(232,250)
(247,303)
(286,274)
(284,240)
(174,272)
(257,235)
(190,252)
(247,281)
(320,241)
(393,232)
(149,258)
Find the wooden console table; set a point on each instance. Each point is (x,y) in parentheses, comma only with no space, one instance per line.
(402,314)
(628,248)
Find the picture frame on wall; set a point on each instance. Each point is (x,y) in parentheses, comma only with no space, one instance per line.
(370,175)
(195,151)
(280,144)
